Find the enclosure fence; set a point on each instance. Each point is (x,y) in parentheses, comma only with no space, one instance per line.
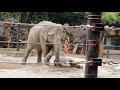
(20,43)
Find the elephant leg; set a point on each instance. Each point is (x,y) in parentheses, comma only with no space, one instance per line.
(39,57)
(57,63)
(56,52)
(43,46)
(48,57)
(29,49)
(45,50)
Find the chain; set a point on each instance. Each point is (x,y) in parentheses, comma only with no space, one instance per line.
(80,62)
(103,62)
(111,62)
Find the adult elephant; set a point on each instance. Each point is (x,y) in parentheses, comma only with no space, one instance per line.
(44,32)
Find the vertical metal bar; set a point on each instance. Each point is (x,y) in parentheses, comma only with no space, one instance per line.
(108,43)
(108,53)
(91,71)
(18,37)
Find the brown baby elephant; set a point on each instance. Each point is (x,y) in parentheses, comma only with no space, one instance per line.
(44,32)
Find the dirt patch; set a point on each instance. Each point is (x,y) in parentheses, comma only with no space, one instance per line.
(9,70)
(11,66)
(14,53)
(34,70)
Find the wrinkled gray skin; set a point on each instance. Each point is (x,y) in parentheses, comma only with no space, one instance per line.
(44,34)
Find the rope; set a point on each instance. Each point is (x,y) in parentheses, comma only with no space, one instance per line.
(81,62)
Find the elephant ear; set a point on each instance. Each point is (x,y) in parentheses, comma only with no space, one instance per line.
(44,33)
(52,31)
(48,31)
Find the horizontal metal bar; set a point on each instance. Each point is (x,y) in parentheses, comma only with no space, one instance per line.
(42,63)
(13,36)
(25,24)
(99,27)
(58,43)
(110,46)
(91,40)
(44,43)
(94,18)
(94,15)
(73,62)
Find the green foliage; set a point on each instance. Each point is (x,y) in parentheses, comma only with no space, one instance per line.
(72,18)
(111,18)
(4,15)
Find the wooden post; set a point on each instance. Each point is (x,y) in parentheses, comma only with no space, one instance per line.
(92,52)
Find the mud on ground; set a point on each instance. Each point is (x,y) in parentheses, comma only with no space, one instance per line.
(8,68)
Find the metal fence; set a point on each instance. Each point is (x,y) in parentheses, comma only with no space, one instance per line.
(112,48)
(13,32)
(18,38)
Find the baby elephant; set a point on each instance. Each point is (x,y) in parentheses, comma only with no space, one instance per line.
(44,32)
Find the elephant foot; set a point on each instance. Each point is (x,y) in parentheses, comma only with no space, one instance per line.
(23,62)
(57,63)
(39,61)
(46,62)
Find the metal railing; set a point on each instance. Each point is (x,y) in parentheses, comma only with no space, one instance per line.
(21,25)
